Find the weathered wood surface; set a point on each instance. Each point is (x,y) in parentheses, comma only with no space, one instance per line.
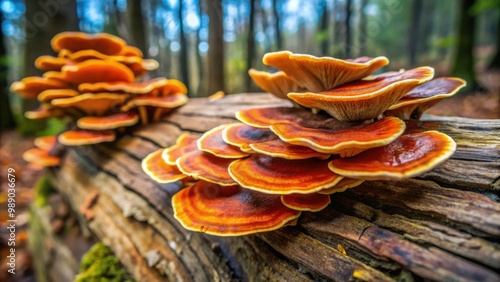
(444,226)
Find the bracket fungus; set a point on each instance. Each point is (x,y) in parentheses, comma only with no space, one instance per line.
(229,211)
(156,168)
(423,97)
(212,142)
(96,84)
(242,135)
(285,160)
(408,156)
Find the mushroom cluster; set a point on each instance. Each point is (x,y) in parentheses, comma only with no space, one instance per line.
(96,83)
(346,127)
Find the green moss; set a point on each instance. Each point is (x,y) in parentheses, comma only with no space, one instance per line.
(43,189)
(99,264)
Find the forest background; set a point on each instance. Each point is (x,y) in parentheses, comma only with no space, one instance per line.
(211,44)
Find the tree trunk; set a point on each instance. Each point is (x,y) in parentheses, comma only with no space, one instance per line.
(463,63)
(6,117)
(347,26)
(362,28)
(495,62)
(199,59)
(136,25)
(443,226)
(426,29)
(338,27)
(413,38)
(43,20)
(323,29)
(277,30)
(250,44)
(183,58)
(216,47)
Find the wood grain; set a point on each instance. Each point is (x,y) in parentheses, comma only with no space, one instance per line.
(443,226)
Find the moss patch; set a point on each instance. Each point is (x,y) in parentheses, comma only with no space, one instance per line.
(43,189)
(99,264)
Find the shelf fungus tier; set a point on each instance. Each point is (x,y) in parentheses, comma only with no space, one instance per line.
(341,138)
(205,166)
(322,73)
(408,156)
(229,210)
(364,99)
(306,202)
(261,173)
(156,168)
(96,83)
(281,176)
(423,97)
(213,143)
(242,135)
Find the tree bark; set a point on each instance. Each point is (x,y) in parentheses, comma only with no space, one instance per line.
(463,63)
(441,226)
(215,76)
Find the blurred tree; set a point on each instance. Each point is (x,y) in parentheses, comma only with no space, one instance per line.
(347,29)
(413,33)
(277,29)
(463,62)
(43,21)
(184,61)
(136,25)
(362,28)
(495,62)
(6,118)
(216,47)
(199,59)
(250,45)
(482,6)
(426,28)
(322,33)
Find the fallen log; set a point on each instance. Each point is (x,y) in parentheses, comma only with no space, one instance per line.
(443,226)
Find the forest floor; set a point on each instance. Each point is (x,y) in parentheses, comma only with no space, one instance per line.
(12,145)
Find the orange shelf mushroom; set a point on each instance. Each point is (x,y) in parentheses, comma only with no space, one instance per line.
(281,176)
(156,168)
(409,156)
(94,84)
(364,99)
(340,138)
(213,143)
(108,122)
(205,166)
(324,73)
(41,158)
(185,143)
(285,159)
(76,41)
(425,96)
(230,210)
(85,137)
(242,135)
(308,202)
